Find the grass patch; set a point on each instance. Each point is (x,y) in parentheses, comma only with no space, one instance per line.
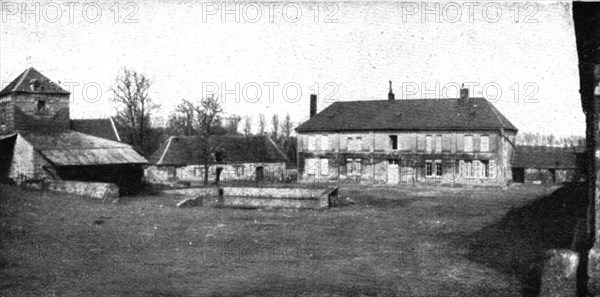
(413,241)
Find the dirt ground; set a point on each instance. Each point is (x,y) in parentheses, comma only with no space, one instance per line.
(413,241)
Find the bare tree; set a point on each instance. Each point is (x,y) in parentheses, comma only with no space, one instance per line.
(134,106)
(247,125)
(182,121)
(208,125)
(286,127)
(233,123)
(275,127)
(262,124)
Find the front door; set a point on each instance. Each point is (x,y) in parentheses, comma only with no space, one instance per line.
(259,173)
(393,172)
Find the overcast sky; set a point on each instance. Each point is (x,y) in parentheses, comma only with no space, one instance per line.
(348,51)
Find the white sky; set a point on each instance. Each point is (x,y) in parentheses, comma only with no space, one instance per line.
(369,44)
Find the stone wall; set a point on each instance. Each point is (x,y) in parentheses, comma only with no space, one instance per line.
(104,191)
(229,172)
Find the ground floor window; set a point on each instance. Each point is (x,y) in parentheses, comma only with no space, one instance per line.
(324,166)
(438,169)
(477,169)
(428,168)
(433,169)
(353,166)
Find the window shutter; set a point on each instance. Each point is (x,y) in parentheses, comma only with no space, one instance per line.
(420,142)
(324,166)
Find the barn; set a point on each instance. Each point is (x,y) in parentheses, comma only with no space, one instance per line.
(38,142)
(544,165)
(237,158)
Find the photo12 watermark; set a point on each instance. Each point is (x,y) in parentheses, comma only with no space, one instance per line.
(70,12)
(254,12)
(254,92)
(453,12)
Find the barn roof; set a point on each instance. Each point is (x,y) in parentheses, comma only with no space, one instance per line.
(417,114)
(22,83)
(75,148)
(103,128)
(179,150)
(544,157)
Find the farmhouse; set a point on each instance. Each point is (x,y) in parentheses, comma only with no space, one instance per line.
(463,140)
(251,158)
(547,165)
(38,140)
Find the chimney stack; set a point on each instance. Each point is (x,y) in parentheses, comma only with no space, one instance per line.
(391,95)
(464,93)
(313,105)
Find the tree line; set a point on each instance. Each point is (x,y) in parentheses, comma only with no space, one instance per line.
(538,139)
(202,118)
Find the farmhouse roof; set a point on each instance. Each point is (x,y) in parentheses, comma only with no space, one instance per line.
(414,114)
(74,149)
(544,157)
(29,77)
(179,150)
(103,128)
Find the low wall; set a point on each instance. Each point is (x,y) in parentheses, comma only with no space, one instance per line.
(104,191)
(248,197)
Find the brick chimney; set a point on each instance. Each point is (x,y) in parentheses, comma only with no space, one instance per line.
(391,95)
(313,105)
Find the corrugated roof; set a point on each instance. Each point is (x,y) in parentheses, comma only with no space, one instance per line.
(179,150)
(418,114)
(75,148)
(22,83)
(103,128)
(544,157)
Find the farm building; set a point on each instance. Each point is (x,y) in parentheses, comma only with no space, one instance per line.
(542,164)
(252,158)
(463,140)
(38,140)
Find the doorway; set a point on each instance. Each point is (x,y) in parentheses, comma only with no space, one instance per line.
(260,174)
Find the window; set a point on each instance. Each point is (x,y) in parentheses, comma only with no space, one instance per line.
(467,170)
(354,144)
(393,162)
(199,171)
(311,165)
(468,143)
(485,169)
(324,166)
(428,143)
(485,143)
(438,168)
(438,143)
(428,168)
(353,166)
(394,141)
(41,106)
(477,169)
(311,143)
(324,143)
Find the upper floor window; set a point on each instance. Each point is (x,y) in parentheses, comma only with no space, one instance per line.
(468,143)
(428,143)
(42,106)
(438,143)
(324,143)
(394,141)
(355,143)
(485,143)
(311,143)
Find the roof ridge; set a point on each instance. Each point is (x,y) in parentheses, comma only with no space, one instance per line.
(162,156)
(24,74)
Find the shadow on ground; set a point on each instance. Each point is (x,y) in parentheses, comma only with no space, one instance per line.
(516,244)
